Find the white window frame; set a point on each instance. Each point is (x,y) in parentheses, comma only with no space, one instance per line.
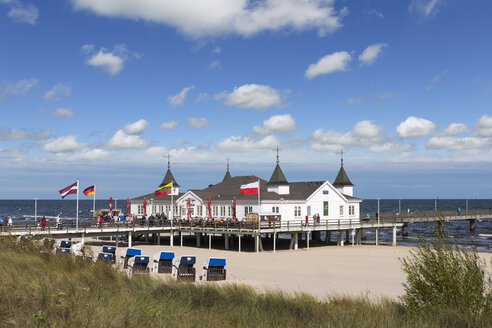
(297,211)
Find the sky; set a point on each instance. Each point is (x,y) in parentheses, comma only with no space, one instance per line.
(105,90)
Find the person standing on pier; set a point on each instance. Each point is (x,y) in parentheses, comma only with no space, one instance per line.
(43,223)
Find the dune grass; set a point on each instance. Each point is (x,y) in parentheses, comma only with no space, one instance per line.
(47,290)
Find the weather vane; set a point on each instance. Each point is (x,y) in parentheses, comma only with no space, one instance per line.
(341,156)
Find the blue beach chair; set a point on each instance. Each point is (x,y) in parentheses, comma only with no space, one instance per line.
(110,249)
(126,254)
(163,262)
(183,268)
(63,247)
(138,265)
(105,257)
(214,269)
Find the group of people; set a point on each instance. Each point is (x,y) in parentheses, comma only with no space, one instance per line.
(316,220)
(5,221)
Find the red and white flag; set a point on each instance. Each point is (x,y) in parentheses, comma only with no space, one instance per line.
(250,188)
(72,189)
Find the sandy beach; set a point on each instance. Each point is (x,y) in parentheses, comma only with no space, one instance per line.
(371,271)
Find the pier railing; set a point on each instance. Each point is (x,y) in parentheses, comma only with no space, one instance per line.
(409,217)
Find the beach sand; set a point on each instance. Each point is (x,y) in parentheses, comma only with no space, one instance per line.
(368,271)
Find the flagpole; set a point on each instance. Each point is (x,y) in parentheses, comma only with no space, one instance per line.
(172,207)
(259,206)
(94,204)
(77,214)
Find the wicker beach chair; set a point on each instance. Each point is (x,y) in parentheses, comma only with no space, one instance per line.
(163,262)
(214,269)
(183,268)
(110,249)
(105,257)
(138,265)
(127,254)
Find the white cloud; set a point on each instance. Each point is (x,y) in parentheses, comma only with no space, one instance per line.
(57,91)
(217,50)
(121,140)
(185,154)
(137,127)
(334,62)
(169,125)
(24,13)
(454,143)
(197,122)
(353,101)
(84,155)
(254,96)
(276,124)
(375,12)
(392,148)
(436,79)
(180,98)
(108,61)
(453,129)
(87,48)
(201,97)
(364,133)
(207,18)
(63,112)
(414,127)
(215,64)
(247,144)
(371,53)
(13,134)
(484,126)
(18,89)
(63,144)
(427,8)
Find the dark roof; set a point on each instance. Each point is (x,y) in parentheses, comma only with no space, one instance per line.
(342,179)
(352,197)
(168,178)
(278,177)
(227,176)
(227,190)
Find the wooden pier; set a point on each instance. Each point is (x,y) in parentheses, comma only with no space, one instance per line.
(235,231)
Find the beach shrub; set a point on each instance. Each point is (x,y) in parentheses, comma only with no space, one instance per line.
(445,277)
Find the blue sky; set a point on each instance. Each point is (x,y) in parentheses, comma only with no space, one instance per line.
(104,90)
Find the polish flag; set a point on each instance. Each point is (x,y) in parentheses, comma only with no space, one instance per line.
(72,189)
(250,188)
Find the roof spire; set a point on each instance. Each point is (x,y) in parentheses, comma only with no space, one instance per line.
(277,156)
(228,159)
(341,156)
(227,176)
(168,161)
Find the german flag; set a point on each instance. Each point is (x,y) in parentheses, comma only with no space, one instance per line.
(89,191)
(164,190)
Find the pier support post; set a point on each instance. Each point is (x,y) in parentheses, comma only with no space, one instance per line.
(83,239)
(260,243)
(404,229)
(117,241)
(198,238)
(394,236)
(340,238)
(328,236)
(130,239)
(209,241)
(171,238)
(363,235)
(358,236)
(347,239)
(353,237)
(180,239)
(377,236)
(274,241)
(158,238)
(239,242)
(472,224)
(226,241)
(307,239)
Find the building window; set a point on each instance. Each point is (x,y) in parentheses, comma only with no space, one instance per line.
(248,209)
(275,209)
(325,192)
(215,211)
(351,210)
(325,209)
(341,209)
(229,210)
(297,211)
(308,211)
(199,210)
(182,210)
(154,209)
(222,211)
(140,209)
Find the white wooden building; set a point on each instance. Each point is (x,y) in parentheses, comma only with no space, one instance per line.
(292,200)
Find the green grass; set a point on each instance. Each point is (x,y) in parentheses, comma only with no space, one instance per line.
(46,290)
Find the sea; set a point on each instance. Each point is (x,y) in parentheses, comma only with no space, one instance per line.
(22,213)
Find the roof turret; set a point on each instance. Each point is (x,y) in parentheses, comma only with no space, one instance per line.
(169,176)
(342,178)
(227,176)
(278,177)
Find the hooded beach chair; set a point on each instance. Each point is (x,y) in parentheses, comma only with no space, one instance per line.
(214,269)
(126,254)
(138,265)
(105,257)
(63,247)
(163,262)
(183,269)
(110,249)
